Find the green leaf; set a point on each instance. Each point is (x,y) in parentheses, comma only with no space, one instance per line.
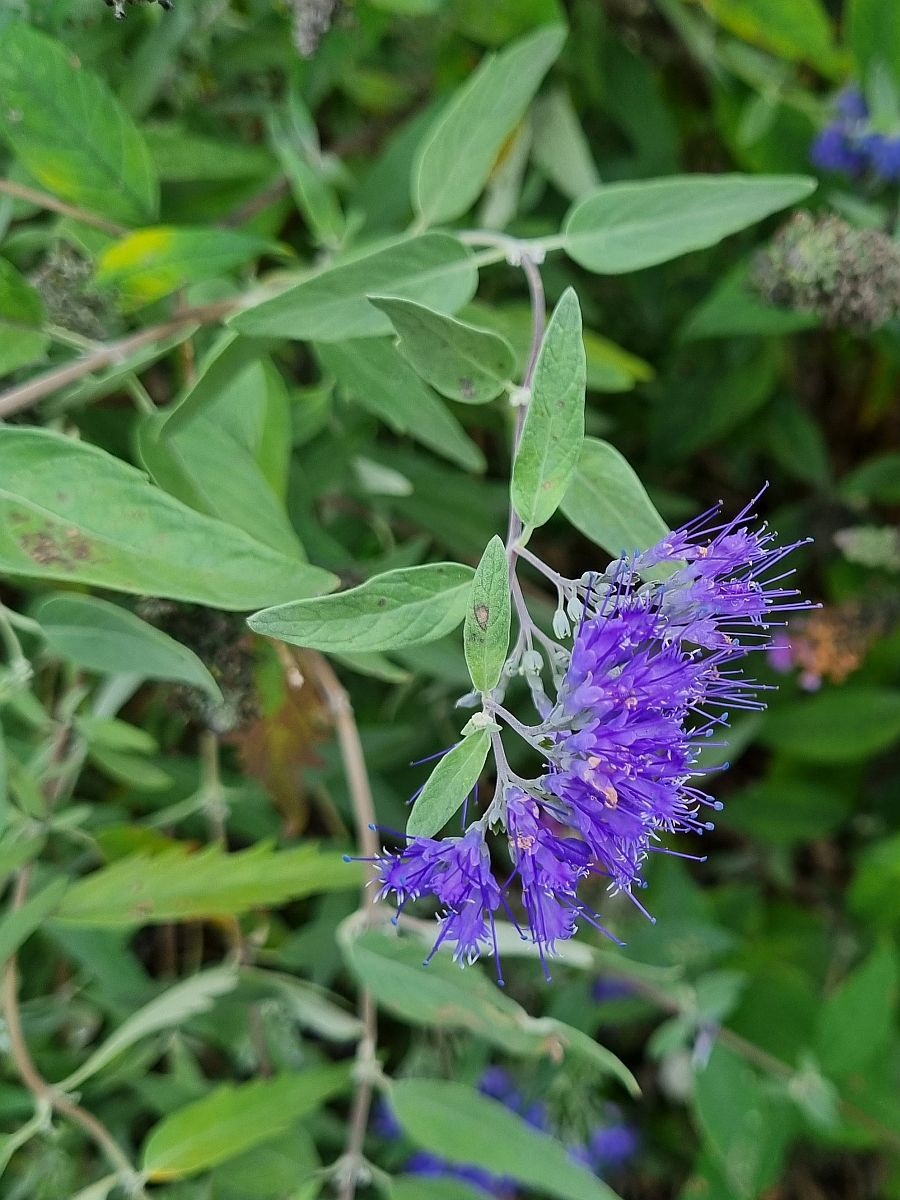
(398,608)
(746,1128)
(458,152)
(415,1187)
(553,433)
(560,147)
(627,226)
(69,131)
(448,785)
(178,885)
(876,478)
(734,309)
(875,892)
(315,198)
(19,924)
(152,263)
(459,1124)
(608,504)
(376,377)
(460,361)
(856,1021)
(443,997)
(71,511)
(232,1119)
(798,30)
(486,630)
(874,36)
(22,339)
(225,448)
(176,1005)
(103,637)
(846,725)
(433,269)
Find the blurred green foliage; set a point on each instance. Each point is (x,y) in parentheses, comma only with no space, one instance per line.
(188,958)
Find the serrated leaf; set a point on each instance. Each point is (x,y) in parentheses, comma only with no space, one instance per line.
(232,1119)
(104,637)
(331,306)
(178,885)
(607,502)
(22,339)
(152,263)
(844,1041)
(175,1006)
(376,377)
(69,131)
(460,361)
(443,997)
(19,924)
(459,150)
(629,226)
(486,629)
(554,425)
(398,608)
(459,1124)
(71,511)
(448,785)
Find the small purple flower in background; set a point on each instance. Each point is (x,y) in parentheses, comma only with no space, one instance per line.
(654,670)
(849,145)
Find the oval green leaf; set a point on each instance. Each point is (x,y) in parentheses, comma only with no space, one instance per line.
(69,510)
(376,377)
(448,785)
(459,1124)
(608,504)
(486,629)
(454,161)
(628,226)
(433,269)
(152,263)
(398,608)
(460,361)
(70,132)
(232,1119)
(554,426)
(100,636)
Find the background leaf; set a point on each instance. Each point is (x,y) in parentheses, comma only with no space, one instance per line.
(22,338)
(454,1121)
(175,884)
(457,153)
(105,637)
(432,269)
(606,501)
(231,1120)
(69,131)
(628,226)
(73,512)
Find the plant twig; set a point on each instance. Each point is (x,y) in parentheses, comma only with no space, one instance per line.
(341,710)
(24,395)
(44,200)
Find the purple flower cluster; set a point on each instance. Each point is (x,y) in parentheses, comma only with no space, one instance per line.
(849,146)
(608,1147)
(655,667)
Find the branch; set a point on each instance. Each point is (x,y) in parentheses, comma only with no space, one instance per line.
(44,200)
(24,395)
